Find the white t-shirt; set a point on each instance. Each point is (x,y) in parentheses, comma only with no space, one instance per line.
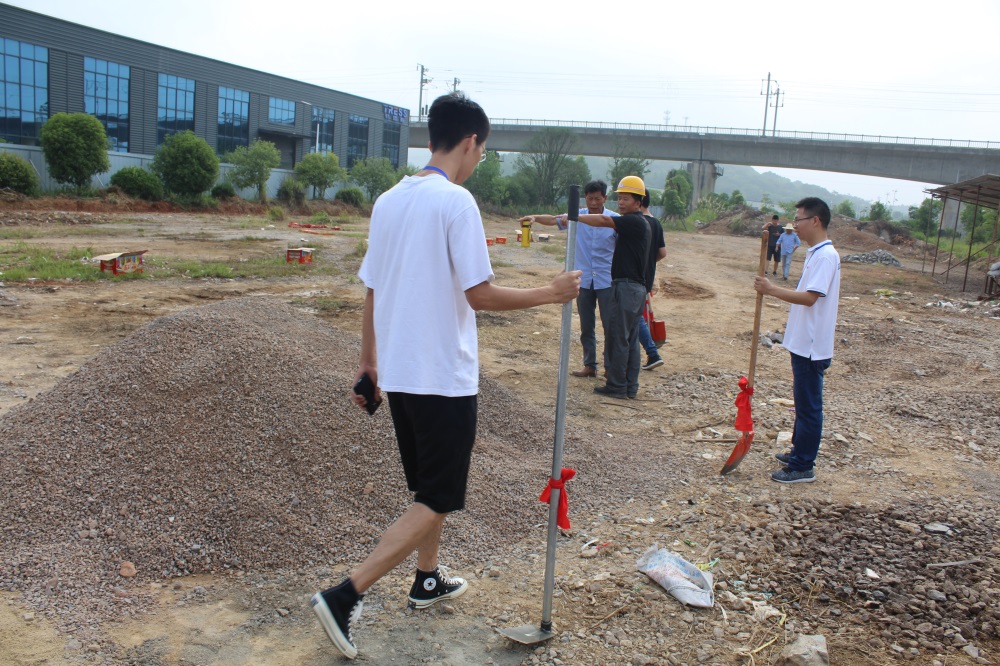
(426,246)
(811,330)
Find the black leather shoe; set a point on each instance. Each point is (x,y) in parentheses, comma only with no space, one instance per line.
(605,391)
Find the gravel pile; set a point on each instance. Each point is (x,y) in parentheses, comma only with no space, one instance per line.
(873,257)
(220,438)
(929,575)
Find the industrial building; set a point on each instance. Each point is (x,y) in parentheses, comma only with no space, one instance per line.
(142,93)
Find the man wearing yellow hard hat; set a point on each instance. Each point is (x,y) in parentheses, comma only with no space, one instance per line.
(628,285)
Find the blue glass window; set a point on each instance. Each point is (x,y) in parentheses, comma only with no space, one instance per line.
(24,91)
(357,139)
(234,120)
(106,95)
(174,106)
(281,111)
(323,123)
(390,142)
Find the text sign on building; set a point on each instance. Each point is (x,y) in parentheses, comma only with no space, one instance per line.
(394,114)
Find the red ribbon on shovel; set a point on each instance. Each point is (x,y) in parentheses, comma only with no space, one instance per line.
(562,518)
(744,419)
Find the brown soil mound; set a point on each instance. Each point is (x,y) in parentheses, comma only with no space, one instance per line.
(221,438)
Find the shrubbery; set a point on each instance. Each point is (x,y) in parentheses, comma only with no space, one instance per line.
(138,183)
(223,191)
(186,164)
(276,213)
(352,196)
(292,193)
(17,174)
(75,147)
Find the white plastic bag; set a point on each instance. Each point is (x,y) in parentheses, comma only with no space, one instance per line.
(686,582)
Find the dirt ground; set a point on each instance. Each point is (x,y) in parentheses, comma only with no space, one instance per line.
(911,417)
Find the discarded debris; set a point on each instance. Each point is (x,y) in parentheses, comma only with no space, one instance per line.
(683,580)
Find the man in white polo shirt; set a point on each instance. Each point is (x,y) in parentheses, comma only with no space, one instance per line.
(812,320)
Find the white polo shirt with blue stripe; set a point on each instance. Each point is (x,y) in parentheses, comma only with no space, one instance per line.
(811,330)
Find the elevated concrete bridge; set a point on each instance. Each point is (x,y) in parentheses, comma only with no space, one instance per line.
(939,161)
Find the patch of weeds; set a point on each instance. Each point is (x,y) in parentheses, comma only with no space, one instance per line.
(21,262)
(255,239)
(319,217)
(360,249)
(553,250)
(501,264)
(276,213)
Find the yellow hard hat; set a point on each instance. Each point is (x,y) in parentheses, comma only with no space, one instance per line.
(632,185)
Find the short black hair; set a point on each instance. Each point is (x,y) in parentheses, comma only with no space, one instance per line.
(452,118)
(774,217)
(815,206)
(596,186)
(645,199)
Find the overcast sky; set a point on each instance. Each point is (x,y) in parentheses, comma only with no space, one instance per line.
(876,67)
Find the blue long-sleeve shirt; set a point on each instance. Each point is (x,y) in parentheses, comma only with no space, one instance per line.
(787,242)
(594,248)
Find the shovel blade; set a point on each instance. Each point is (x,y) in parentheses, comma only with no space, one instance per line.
(739,451)
(527,634)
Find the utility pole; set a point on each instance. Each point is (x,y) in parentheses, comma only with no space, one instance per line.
(454,84)
(777,103)
(767,100)
(423,81)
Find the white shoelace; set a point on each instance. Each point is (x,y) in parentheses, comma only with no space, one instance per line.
(353,617)
(445,577)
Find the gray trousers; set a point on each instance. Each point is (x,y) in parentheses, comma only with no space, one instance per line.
(622,342)
(586,305)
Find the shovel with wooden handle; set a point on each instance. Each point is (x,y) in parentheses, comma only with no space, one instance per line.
(744,417)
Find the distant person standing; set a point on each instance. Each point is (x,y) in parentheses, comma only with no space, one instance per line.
(427,273)
(809,335)
(774,231)
(657,251)
(595,247)
(787,242)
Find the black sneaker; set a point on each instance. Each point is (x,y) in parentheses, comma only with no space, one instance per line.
(604,390)
(786,475)
(783,458)
(337,609)
(431,587)
(652,362)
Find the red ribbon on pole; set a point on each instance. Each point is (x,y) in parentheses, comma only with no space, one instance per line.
(562,514)
(744,419)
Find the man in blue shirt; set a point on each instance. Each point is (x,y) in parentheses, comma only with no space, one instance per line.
(787,242)
(594,248)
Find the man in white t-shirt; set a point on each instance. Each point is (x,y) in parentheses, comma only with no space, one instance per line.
(428,271)
(809,334)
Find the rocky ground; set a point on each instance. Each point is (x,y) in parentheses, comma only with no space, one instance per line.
(179,477)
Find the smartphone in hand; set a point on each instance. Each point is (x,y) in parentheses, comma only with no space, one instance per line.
(365,387)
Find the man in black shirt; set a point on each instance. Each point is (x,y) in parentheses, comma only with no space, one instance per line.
(657,251)
(628,286)
(774,233)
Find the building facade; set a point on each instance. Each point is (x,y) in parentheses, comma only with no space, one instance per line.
(142,93)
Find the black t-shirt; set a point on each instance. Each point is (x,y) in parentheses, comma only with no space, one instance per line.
(631,248)
(655,243)
(774,232)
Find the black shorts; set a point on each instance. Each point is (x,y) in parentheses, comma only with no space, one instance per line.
(773,253)
(435,436)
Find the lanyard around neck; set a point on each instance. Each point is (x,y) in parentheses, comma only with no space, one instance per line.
(434,168)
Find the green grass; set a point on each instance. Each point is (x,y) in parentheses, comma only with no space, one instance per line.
(21,233)
(255,239)
(250,223)
(553,249)
(21,262)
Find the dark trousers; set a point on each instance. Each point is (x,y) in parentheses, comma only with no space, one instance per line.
(586,305)
(628,299)
(807,390)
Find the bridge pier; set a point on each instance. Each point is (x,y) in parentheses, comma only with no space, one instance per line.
(703,175)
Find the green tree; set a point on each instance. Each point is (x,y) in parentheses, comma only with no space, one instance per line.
(628,160)
(545,160)
(75,148)
(846,208)
(925,217)
(765,203)
(673,206)
(487,183)
(17,174)
(320,171)
(679,180)
(405,170)
(186,164)
(879,211)
(984,222)
(576,173)
(374,175)
(252,166)
(737,199)
(787,207)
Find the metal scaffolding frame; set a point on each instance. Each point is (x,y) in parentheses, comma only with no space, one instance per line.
(981,192)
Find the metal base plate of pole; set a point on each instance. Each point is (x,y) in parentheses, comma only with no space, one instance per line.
(527,634)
